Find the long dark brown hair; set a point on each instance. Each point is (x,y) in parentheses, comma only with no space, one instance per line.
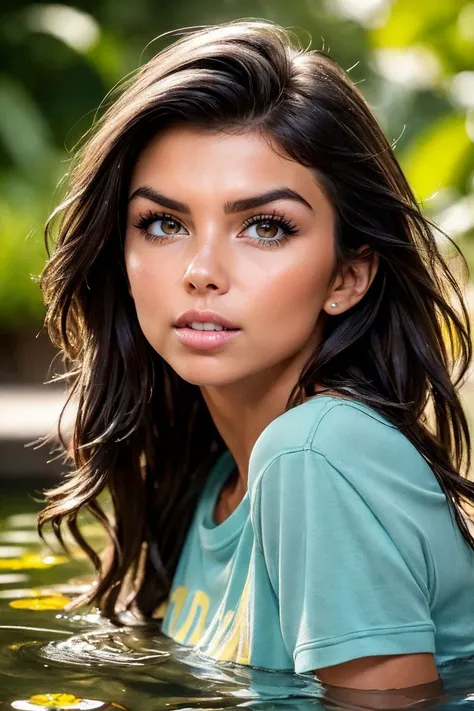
(143,434)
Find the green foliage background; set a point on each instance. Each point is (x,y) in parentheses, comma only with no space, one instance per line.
(413,61)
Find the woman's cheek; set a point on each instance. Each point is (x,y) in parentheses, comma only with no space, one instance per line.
(142,276)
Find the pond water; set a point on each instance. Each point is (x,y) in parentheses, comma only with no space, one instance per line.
(53,659)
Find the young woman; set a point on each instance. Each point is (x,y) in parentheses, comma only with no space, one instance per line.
(262,334)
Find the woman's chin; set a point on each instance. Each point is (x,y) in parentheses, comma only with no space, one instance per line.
(198,376)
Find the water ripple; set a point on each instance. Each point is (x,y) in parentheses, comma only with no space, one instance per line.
(102,648)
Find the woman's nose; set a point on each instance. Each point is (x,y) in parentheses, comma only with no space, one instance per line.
(206,270)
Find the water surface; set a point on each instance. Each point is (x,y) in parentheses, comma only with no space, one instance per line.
(50,658)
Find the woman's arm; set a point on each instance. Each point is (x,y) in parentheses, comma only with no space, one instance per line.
(348,589)
(395,671)
(384,682)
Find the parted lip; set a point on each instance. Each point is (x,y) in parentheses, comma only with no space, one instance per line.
(203,317)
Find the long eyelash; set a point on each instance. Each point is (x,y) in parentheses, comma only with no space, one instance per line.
(151,216)
(280,220)
(147,218)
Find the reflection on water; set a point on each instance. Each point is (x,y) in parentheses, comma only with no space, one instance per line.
(52,659)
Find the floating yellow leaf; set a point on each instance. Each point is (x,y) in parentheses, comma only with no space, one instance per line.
(55,700)
(63,702)
(32,560)
(53,602)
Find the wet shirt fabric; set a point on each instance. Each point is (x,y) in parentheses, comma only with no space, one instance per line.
(342,547)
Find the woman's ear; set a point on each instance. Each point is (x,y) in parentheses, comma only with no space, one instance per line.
(352,283)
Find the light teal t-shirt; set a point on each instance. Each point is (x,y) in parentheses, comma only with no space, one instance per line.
(342,547)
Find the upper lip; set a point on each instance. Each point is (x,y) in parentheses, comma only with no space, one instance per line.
(203,317)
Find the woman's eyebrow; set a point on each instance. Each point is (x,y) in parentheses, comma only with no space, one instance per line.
(229,207)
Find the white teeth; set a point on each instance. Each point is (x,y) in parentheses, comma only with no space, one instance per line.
(205,326)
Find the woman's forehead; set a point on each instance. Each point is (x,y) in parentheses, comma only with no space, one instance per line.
(190,160)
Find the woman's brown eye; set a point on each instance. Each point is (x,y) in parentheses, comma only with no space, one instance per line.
(267,228)
(174,226)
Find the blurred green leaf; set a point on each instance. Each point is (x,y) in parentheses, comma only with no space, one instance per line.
(22,256)
(409,20)
(430,161)
(23,131)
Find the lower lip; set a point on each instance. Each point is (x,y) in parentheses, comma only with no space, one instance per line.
(204,340)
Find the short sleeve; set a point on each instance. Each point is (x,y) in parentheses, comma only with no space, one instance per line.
(343,585)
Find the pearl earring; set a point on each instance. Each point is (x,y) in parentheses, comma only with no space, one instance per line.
(333,304)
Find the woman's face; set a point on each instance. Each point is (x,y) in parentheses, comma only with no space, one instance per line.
(212,253)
